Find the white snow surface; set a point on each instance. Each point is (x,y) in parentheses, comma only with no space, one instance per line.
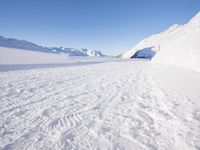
(15,59)
(19,56)
(179,45)
(111,105)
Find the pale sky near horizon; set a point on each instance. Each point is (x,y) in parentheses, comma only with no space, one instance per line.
(111,26)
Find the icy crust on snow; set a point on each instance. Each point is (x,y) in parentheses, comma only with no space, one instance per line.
(178,46)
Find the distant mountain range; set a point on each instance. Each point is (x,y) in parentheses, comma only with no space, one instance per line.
(26,45)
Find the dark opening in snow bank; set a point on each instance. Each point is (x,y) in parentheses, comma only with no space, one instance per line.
(145,53)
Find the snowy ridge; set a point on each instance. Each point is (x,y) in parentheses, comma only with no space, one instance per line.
(153,41)
(179,45)
(195,21)
(26,45)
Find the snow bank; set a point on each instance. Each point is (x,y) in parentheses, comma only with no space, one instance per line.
(179,45)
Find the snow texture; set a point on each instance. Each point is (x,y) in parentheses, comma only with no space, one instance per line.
(110,105)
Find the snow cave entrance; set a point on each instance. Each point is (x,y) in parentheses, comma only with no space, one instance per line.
(146,53)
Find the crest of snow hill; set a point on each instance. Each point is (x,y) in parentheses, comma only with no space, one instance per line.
(179,46)
(26,45)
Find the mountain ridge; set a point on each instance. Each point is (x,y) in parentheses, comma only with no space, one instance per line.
(27,45)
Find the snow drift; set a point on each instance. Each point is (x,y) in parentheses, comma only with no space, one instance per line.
(179,45)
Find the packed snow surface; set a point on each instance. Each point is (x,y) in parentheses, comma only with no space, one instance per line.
(110,105)
(179,45)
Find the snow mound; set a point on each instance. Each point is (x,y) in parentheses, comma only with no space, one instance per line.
(179,45)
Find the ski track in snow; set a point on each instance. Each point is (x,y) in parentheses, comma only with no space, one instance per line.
(114,105)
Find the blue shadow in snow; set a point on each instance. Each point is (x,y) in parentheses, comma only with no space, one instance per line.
(145,53)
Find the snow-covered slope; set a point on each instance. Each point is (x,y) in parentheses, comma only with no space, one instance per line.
(22,44)
(179,45)
(153,42)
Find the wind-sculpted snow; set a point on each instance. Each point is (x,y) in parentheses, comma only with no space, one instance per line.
(113,105)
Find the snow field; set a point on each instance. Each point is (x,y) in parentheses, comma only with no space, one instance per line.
(113,105)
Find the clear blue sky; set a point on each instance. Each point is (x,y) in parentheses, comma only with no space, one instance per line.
(108,25)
